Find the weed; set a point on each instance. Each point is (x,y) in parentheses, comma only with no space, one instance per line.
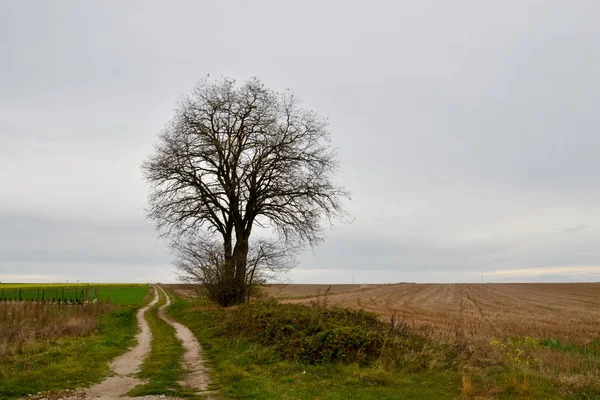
(517,352)
(467,389)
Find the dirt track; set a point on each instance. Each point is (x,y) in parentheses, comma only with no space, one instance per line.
(127,365)
(196,376)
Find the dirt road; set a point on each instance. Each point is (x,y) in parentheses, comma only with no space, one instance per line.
(125,367)
(196,376)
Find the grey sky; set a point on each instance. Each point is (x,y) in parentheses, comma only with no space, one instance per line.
(467,130)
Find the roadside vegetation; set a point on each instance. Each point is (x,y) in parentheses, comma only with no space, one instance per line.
(299,352)
(269,350)
(50,346)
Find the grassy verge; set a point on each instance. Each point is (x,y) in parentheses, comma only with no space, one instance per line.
(162,368)
(68,362)
(248,366)
(282,351)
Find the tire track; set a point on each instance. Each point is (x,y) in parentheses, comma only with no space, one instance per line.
(123,367)
(196,376)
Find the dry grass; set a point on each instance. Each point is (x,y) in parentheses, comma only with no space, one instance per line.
(185,290)
(309,290)
(280,291)
(473,314)
(566,312)
(467,389)
(29,324)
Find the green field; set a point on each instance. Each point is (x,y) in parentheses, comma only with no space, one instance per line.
(129,294)
(38,354)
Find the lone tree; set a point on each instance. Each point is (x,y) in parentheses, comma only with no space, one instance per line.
(235,157)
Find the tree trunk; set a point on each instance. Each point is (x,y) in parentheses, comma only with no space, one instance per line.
(227,292)
(240,256)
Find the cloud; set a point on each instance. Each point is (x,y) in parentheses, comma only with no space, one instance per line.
(563,270)
(26,278)
(466,153)
(35,239)
(88,273)
(49,248)
(575,228)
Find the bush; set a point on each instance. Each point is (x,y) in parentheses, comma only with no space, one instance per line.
(312,335)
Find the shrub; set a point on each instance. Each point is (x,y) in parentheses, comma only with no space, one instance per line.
(309,334)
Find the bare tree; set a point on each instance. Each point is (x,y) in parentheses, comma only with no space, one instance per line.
(199,259)
(232,158)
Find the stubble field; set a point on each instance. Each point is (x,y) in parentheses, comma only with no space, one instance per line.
(568,312)
(285,291)
(494,322)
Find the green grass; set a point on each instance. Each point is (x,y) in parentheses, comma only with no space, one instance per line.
(246,369)
(591,349)
(250,350)
(126,294)
(162,368)
(69,363)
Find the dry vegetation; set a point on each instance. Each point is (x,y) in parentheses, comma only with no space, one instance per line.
(562,317)
(279,291)
(310,290)
(569,312)
(33,324)
(185,290)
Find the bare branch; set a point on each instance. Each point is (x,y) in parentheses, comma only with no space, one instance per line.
(235,157)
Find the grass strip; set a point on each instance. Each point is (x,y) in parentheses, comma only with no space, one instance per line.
(162,368)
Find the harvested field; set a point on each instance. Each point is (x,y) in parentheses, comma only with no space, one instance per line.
(309,290)
(567,312)
(492,321)
(185,290)
(280,291)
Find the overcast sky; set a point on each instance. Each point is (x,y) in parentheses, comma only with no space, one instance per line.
(467,130)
